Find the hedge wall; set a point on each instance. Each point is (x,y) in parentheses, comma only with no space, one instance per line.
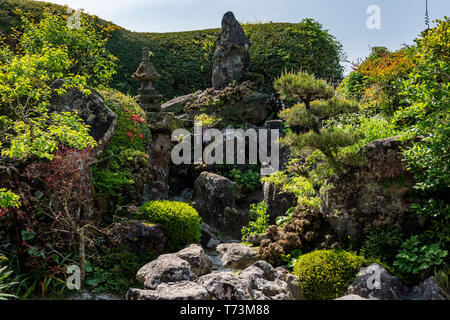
(184,59)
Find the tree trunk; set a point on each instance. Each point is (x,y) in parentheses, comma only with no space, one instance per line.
(81,249)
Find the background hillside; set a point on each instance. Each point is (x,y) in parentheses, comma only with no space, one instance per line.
(184,59)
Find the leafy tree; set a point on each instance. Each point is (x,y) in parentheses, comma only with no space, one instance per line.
(85,45)
(47,51)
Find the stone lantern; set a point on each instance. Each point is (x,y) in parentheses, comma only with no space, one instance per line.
(149,99)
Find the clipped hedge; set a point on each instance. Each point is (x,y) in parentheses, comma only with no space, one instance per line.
(179,220)
(327,274)
(184,59)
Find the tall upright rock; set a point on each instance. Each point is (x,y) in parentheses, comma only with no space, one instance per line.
(232,55)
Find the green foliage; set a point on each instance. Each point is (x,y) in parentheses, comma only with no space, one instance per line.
(298,185)
(249,179)
(438,213)
(296,87)
(5,283)
(132,130)
(306,46)
(427,94)
(326,274)
(179,220)
(85,45)
(382,242)
(302,87)
(417,259)
(114,175)
(27,128)
(8,199)
(291,258)
(114,270)
(275,46)
(259,220)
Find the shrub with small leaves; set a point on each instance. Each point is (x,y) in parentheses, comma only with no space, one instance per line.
(179,220)
(259,220)
(326,274)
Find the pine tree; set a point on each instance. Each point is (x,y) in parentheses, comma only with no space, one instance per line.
(315,105)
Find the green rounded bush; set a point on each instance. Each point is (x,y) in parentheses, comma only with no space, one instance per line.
(179,220)
(326,274)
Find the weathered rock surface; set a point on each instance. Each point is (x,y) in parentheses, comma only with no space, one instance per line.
(91,296)
(92,109)
(277,203)
(170,278)
(159,160)
(224,286)
(372,194)
(177,104)
(183,290)
(214,198)
(200,262)
(264,282)
(375,282)
(254,109)
(140,236)
(232,55)
(351,297)
(236,255)
(430,290)
(166,268)
(163,122)
(209,237)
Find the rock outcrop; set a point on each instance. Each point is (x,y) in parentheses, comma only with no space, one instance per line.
(183,290)
(236,255)
(372,194)
(214,198)
(171,278)
(92,109)
(142,237)
(167,268)
(376,283)
(176,105)
(200,262)
(232,55)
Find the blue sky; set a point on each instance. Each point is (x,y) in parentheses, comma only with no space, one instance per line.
(401,20)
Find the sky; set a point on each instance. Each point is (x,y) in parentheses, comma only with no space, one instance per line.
(401,21)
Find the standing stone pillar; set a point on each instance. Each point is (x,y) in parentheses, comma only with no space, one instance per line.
(232,55)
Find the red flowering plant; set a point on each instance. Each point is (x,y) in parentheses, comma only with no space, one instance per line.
(67,182)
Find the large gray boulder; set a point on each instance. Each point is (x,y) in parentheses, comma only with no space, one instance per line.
(91,108)
(166,268)
(430,290)
(232,55)
(376,192)
(200,262)
(237,255)
(376,283)
(264,282)
(254,109)
(141,236)
(176,105)
(184,290)
(215,200)
(224,286)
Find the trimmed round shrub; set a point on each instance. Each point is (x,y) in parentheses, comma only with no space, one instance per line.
(327,274)
(179,220)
